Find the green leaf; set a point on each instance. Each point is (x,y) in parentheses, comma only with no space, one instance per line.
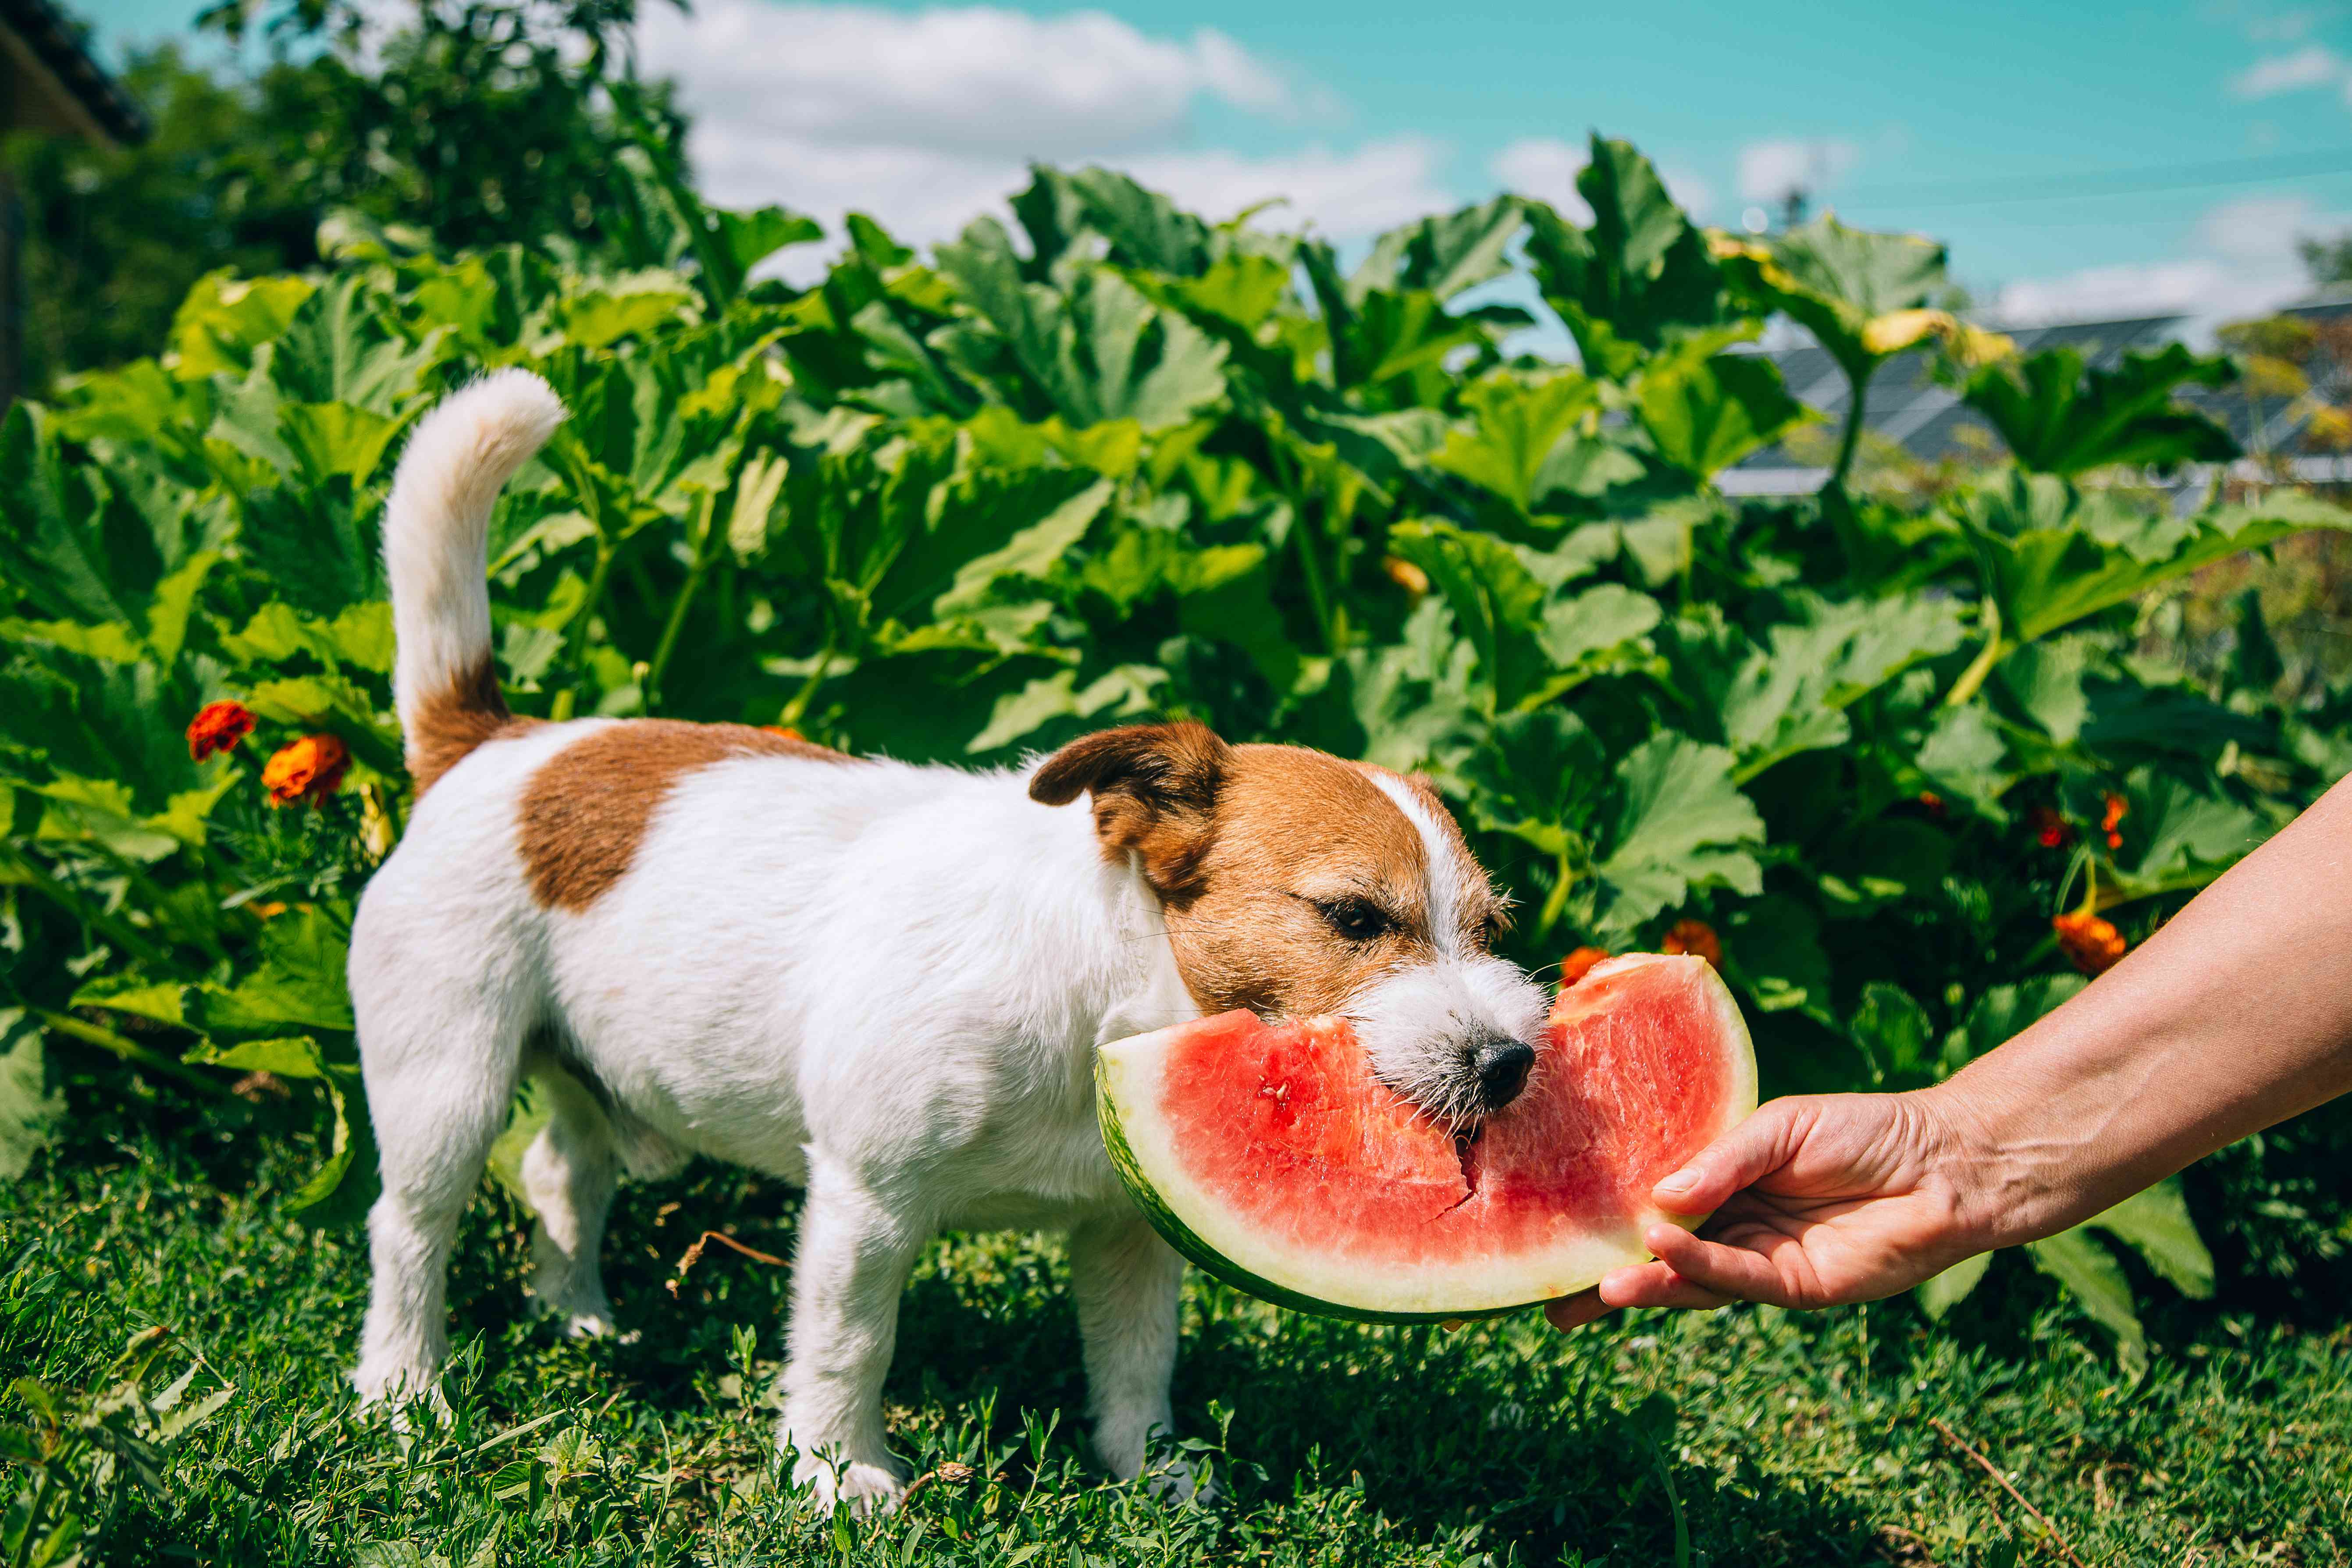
(1773,947)
(29,1108)
(1537,777)
(225,319)
(1939,1293)
(2095,1281)
(599,320)
(1679,824)
(1836,282)
(296,1056)
(2156,1224)
(2004,1012)
(299,983)
(1495,598)
(1895,1035)
(1034,550)
(1706,415)
(2059,418)
(1517,422)
(1640,274)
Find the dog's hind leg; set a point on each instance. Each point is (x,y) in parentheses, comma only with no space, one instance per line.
(855,1253)
(569,1172)
(440,1065)
(1127,1280)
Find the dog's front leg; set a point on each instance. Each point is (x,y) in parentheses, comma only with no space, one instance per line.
(856,1251)
(1127,1281)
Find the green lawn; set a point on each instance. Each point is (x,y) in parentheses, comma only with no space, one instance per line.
(1744,1438)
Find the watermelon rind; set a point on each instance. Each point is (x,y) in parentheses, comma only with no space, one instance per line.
(1203,1230)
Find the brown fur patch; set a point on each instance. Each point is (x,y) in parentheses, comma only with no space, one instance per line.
(452,722)
(586,809)
(1154,790)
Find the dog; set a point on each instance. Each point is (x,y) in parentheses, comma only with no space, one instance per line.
(883,984)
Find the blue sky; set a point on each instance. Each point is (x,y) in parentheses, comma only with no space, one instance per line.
(1937,118)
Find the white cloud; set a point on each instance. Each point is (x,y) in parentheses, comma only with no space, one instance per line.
(1772,170)
(975,79)
(1345,195)
(927,119)
(2313,66)
(1546,168)
(2244,263)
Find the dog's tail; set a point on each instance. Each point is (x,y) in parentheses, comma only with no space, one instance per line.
(436,532)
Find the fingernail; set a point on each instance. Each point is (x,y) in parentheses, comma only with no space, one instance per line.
(1680,1182)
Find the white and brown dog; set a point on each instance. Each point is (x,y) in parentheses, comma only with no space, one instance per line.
(882,983)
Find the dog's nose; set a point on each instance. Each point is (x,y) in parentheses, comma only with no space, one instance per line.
(1502,1072)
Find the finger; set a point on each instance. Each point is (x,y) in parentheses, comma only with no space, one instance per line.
(1654,1285)
(1723,1270)
(1575,1311)
(1757,1147)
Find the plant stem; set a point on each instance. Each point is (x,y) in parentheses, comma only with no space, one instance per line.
(130,1050)
(73,903)
(1849,439)
(676,623)
(1973,678)
(1556,901)
(790,716)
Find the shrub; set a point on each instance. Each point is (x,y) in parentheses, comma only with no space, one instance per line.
(1897,759)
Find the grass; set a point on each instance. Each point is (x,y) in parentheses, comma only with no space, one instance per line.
(1750,1438)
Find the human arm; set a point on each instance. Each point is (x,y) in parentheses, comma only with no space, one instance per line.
(2235,1015)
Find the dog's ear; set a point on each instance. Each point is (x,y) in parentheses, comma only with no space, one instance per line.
(1155,794)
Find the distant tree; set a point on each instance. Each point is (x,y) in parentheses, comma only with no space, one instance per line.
(479,123)
(115,237)
(2327,260)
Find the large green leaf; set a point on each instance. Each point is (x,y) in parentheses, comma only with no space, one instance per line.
(1706,415)
(30,1107)
(2059,418)
(2095,1281)
(1519,422)
(1678,824)
(1639,275)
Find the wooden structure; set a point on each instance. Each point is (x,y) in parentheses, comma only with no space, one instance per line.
(50,86)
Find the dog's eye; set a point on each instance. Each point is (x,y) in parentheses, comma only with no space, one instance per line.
(1358,919)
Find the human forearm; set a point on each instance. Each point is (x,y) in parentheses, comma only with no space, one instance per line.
(2236,1015)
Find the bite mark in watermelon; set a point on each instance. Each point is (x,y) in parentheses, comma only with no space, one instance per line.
(1270,1155)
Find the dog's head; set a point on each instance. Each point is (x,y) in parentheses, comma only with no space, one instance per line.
(1296,883)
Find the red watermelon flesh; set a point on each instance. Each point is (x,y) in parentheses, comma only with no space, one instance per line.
(1271,1154)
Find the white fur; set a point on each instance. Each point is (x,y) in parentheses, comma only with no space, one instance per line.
(1420,1024)
(436,521)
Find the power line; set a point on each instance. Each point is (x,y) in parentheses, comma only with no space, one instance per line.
(2107,182)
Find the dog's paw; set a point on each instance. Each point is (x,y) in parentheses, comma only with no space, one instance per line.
(869,1489)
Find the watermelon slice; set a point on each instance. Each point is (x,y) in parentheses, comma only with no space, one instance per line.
(1268,1154)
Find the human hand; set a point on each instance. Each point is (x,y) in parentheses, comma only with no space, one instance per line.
(1817,1200)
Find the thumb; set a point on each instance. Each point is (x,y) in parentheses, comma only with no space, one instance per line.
(1756,1148)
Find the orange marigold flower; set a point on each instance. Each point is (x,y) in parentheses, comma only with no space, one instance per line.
(1932,801)
(2093,945)
(2117,811)
(2050,830)
(218,727)
(1579,964)
(310,769)
(1695,937)
(787,731)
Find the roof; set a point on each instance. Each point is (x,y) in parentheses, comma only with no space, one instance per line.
(1926,419)
(48,82)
